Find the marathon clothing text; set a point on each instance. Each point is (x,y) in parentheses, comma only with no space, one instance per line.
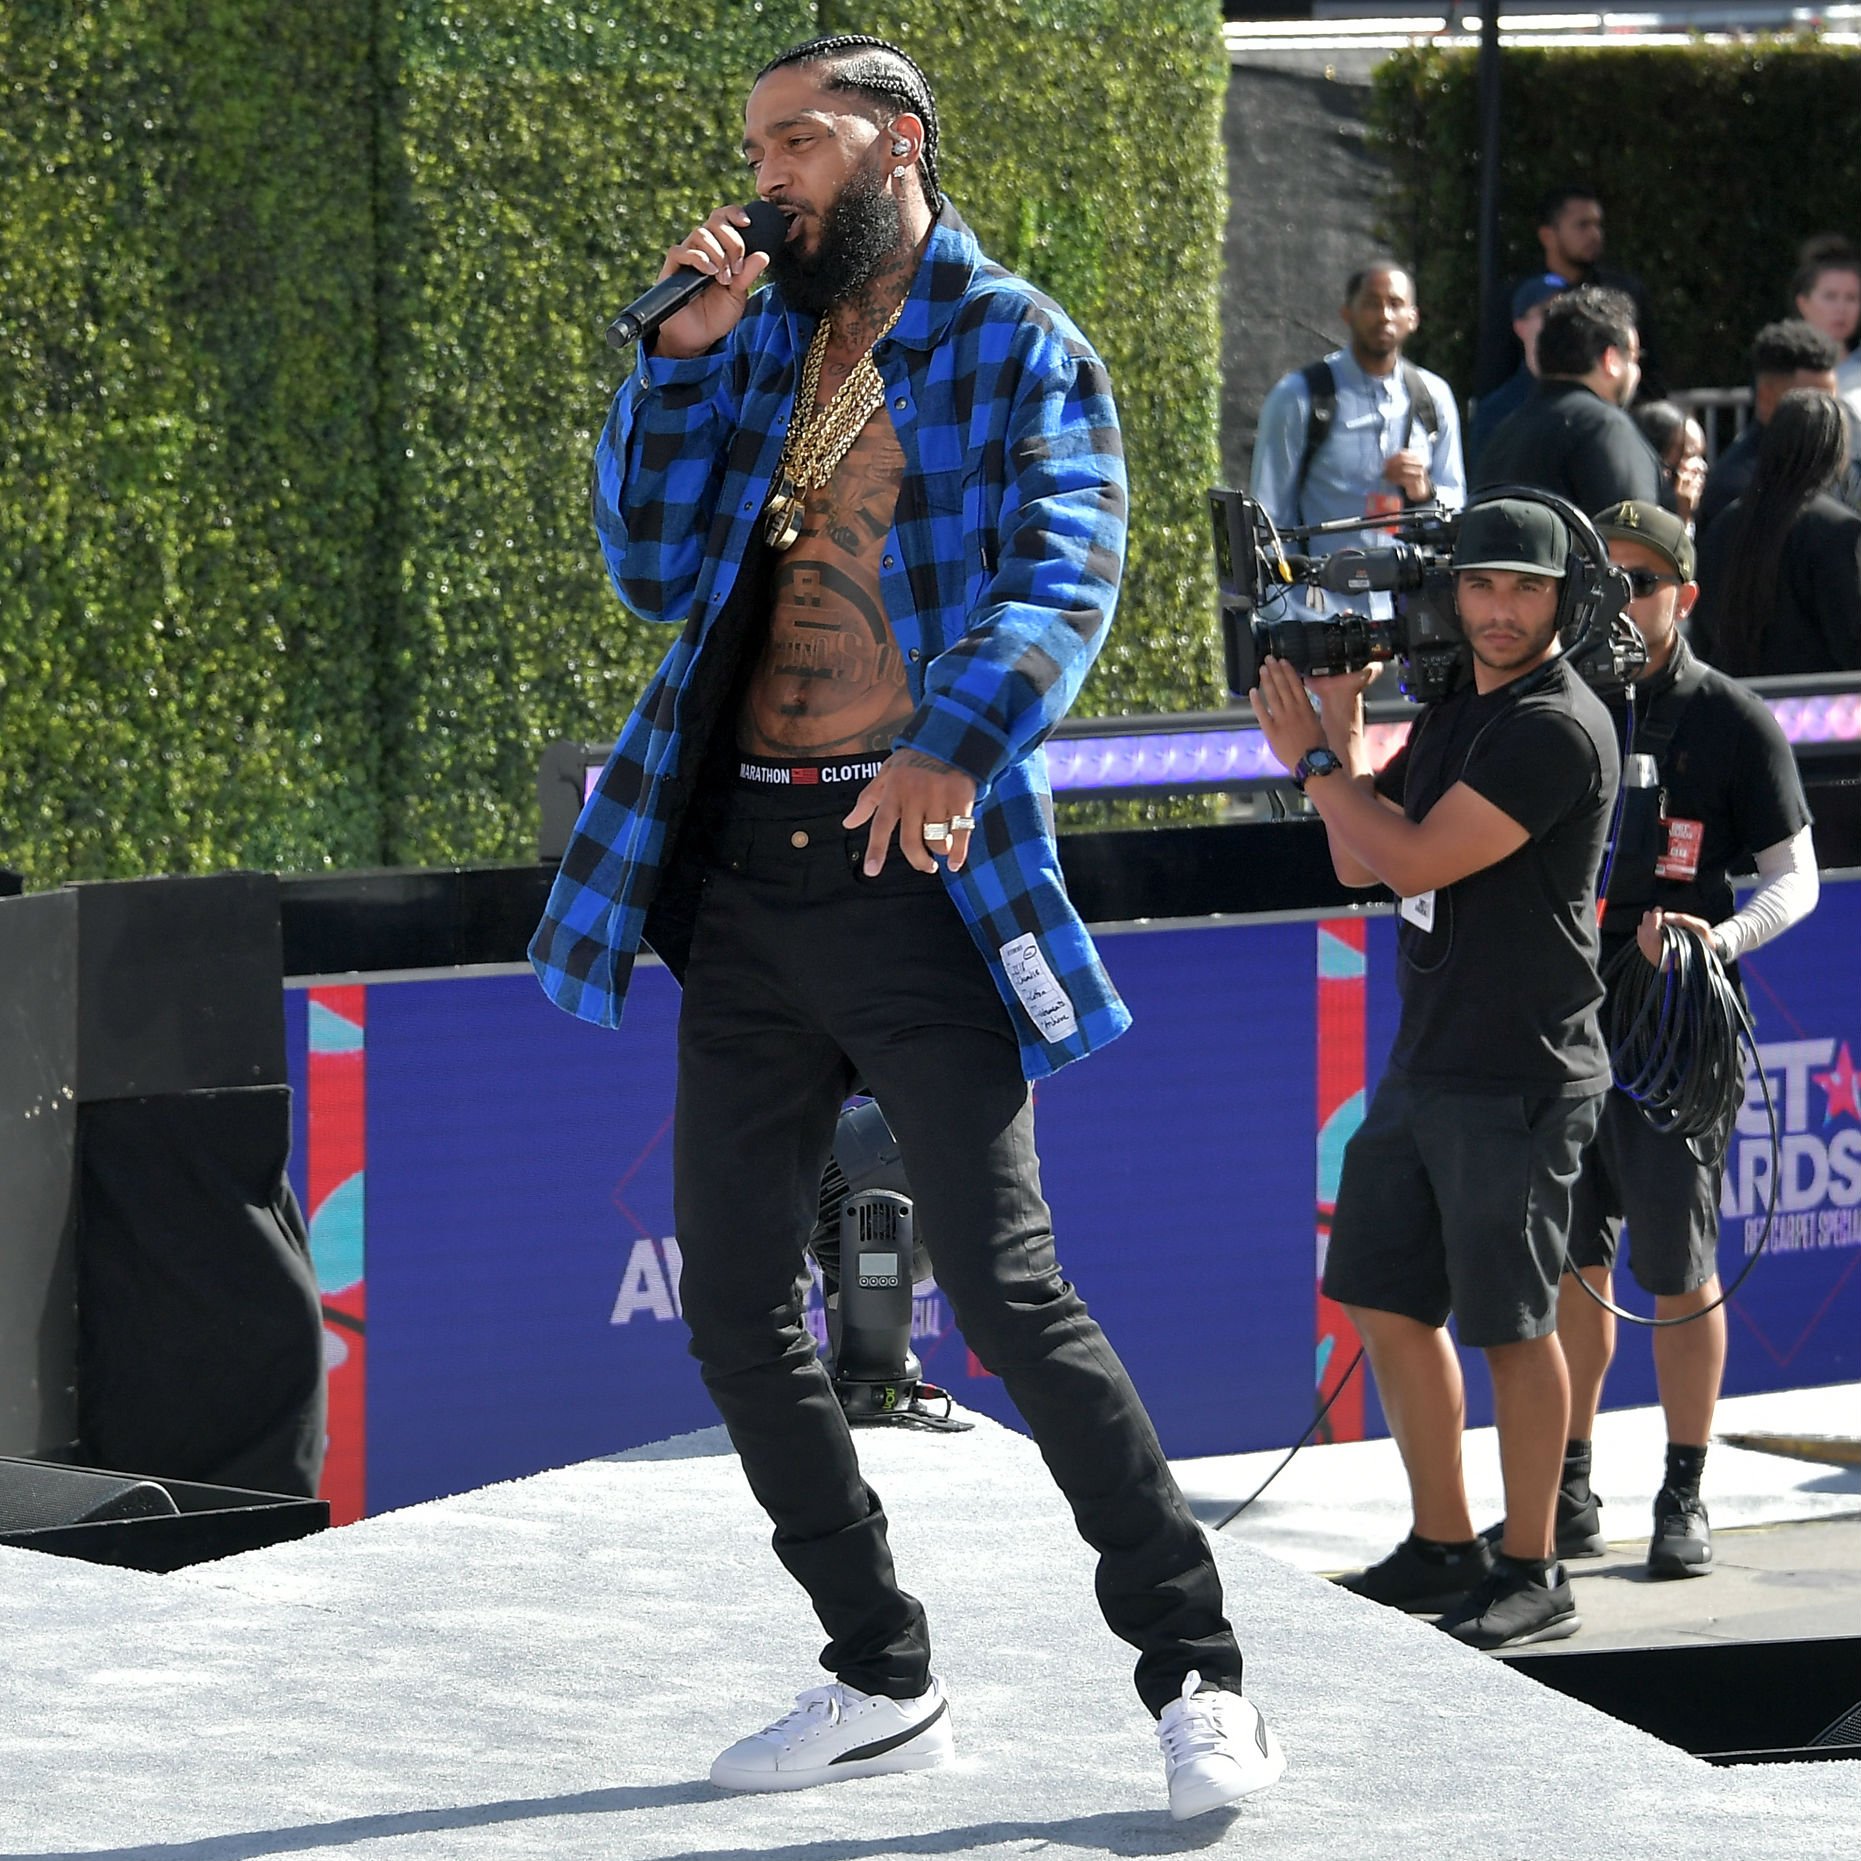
(855,773)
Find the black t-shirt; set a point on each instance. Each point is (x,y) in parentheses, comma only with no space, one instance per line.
(1567,439)
(1728,788)
(1500,989)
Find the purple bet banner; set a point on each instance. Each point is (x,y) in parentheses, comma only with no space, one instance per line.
(522,1264)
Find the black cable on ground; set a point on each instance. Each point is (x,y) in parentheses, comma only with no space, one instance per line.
(1350,1369)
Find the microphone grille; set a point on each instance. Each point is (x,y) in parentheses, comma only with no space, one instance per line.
(768,226)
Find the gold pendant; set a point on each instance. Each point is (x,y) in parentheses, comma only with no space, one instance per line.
(783,514)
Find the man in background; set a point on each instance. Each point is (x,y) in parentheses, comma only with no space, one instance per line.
(1570,242)
(1528,302)
(1785,355)
(1364,432)
(1572,436)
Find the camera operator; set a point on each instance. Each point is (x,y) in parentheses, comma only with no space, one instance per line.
(1728,797)
(1455,1199)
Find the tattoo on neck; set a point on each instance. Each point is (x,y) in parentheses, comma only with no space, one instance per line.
(858,320)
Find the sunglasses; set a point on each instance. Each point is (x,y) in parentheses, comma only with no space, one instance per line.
(1643,582)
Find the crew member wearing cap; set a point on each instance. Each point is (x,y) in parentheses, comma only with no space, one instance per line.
(1455,1197)
(1717,792)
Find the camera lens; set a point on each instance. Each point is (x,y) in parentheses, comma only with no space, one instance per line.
(1324,645)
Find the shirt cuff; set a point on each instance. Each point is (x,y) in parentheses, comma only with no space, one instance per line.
(666,371)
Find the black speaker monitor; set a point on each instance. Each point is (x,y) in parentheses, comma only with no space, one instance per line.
(33,1497)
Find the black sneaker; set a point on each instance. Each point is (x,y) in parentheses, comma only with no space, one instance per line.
(1410,1579)
(1514,1606)
(1579,1527)
(1682,1541)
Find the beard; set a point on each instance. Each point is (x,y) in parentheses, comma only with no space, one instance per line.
(1523,652)
(859,232)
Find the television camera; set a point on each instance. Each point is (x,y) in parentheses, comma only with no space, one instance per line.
(1263,611)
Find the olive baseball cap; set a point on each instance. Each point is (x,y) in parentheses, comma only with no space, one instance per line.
(1512,533)
(1636,521)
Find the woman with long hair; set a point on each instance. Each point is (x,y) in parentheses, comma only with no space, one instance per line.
(1780,567)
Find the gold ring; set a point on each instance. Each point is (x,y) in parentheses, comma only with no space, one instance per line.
(962,823)
(936,832)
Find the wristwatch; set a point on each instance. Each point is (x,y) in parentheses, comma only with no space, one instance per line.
(1320,761)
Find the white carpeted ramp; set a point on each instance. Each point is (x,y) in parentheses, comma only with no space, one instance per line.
(545,1669)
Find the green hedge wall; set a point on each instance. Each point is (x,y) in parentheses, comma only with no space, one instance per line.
(1083,142)
(301,369)
(1713,163)
(187,461)
(542,158)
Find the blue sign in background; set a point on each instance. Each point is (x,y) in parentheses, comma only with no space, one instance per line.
(521,1251)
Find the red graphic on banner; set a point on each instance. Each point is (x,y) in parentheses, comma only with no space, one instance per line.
(336,1152)
(1342,979)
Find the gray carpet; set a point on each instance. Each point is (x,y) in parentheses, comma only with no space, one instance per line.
(546,1668)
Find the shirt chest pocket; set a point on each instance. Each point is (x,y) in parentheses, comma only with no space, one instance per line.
(961,508)
(1362,435)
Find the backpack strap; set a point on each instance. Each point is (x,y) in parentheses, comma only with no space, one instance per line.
(1321,390)
(1421,403)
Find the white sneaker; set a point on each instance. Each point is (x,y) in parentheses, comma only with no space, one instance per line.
(1216,1750)
(836,1731)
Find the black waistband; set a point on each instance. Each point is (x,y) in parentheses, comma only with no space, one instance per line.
(848,772)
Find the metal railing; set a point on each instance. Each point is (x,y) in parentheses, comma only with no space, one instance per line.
(1717,409)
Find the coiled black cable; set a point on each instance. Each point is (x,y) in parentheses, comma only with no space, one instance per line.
(1678,1039)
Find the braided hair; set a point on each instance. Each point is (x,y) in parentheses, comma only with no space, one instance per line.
(879,70)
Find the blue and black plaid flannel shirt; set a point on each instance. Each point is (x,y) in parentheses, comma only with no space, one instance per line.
(999,578)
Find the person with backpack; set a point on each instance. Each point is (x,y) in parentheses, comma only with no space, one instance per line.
(1364,432)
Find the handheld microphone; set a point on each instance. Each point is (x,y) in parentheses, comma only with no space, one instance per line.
(767,229)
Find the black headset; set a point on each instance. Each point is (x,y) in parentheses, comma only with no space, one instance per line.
(1595,633)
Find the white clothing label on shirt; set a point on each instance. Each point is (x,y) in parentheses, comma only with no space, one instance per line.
(1048,1005)
(1419,910)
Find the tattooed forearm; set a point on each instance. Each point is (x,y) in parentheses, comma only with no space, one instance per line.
(917,759)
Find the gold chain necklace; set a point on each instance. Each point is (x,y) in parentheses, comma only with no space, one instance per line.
(820,439)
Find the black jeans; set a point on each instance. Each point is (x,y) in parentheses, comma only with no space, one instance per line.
(804,975)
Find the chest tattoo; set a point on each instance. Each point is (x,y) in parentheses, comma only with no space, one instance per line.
(830,679)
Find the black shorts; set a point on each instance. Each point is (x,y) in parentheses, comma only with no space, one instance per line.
(1669,1199)
(1459,1202)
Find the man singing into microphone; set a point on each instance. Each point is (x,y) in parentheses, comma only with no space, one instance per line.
(884,502)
